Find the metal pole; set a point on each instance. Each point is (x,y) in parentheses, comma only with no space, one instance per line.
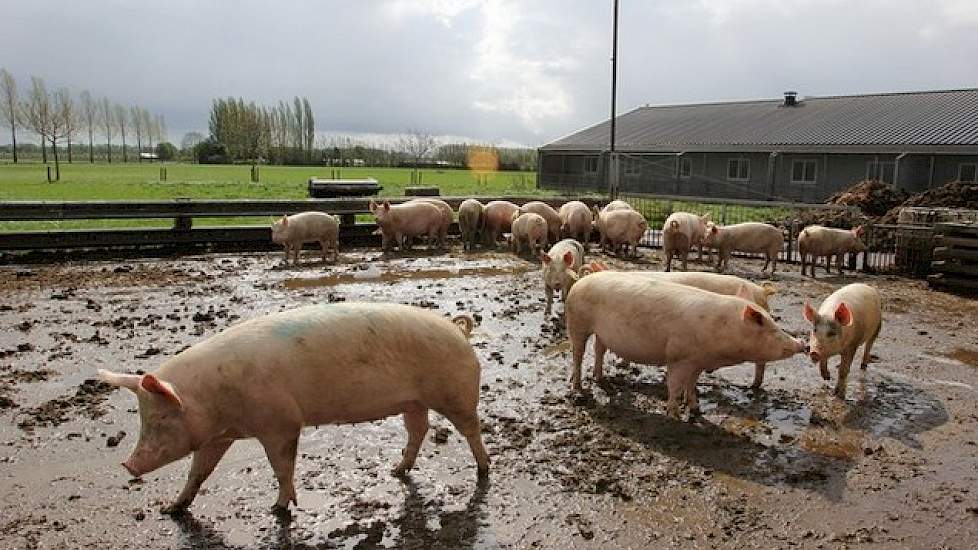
(613,157)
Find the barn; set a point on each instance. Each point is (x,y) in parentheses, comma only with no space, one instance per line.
(791,148)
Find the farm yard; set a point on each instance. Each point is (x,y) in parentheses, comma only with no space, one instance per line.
(892,466)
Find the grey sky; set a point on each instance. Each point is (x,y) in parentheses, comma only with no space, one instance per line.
(527,71)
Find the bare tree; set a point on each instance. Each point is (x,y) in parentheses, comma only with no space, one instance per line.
(36,113)
(417,145)
(67,116)
(122,124)
(8,105)
(107,120)
(309,127)
(161,129)
(89,116)
(148,128)
(136,116)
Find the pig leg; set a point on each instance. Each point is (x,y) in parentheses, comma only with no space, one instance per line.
(286,254)
(550,300)
(280,448)
(869,346)
(416,422)
(599,351)
(803,255)
(324,247)
(676,380)
(692,397)
(685,256)
(204,461)
(578,344)
(840,385)
(758,375)
(669,260)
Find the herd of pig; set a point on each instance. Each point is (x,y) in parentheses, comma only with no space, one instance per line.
(268,377)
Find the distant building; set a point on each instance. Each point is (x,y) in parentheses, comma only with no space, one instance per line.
(148,156)
(790,148)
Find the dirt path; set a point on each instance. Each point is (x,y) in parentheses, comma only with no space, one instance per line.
(894,466)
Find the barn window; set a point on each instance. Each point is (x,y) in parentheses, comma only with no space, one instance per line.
(882,171)
(738,169)
(968,172)
(685,168)
(591,165)
(803,171)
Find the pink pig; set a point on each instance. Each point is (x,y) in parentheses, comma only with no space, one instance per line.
(268,377)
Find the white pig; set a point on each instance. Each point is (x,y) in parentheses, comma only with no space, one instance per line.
(816,241)
(470,222)
(713,282)
(662,323)
(446,213)
(622,226)
(497,219)
(268,377)
(529,228)
(401,222)
(848,318)
(745,237)
(680,232)
(549,214)
(560,266)
(575,221)
(617,205)
(306,227)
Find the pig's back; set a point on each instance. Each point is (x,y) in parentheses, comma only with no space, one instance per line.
(314,224)
(863,300)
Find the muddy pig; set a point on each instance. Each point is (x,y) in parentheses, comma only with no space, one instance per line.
(497,219)
(623,226)
(848,318)
(401,222)
(470,222)
(560,266)
(530,228)
(268,377)
(816,241)
(713,282)
(680,232)
(576,221)
(294,231)
(446,212)
(549,214)
(744,237)
(686,329)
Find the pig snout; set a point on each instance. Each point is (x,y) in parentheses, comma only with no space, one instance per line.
(133,471)
(800,346)
(815,356)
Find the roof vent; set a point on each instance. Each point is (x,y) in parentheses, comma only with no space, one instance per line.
(790,99)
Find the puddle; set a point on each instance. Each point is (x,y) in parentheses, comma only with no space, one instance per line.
(965,355)
(395,276)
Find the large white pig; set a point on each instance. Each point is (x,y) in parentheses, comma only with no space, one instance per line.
(446,213)
(268,377)
(529,228)
(549,214)
(402,222)
(686,329)
(817,241)
(680,232)
(470,222)
(848,318)
(560,269)
(306,227)
(575,221)
(621,227)
(713,282)
(497,219)
(617,205)
(745,237)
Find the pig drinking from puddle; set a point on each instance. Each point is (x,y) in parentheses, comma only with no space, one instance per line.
(687,329)
(268,377)
(848,318)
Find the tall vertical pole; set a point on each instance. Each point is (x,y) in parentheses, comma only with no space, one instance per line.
(613,156)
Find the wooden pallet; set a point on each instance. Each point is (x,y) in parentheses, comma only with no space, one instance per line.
(955,262)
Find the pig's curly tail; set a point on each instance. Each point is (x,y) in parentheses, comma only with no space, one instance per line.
(465,323)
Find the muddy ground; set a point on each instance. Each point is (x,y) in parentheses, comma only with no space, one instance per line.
(893,466)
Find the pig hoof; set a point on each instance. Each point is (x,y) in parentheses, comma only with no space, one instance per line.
(281,510)
(840,393)
(175,509)
(483,472)
(400,471)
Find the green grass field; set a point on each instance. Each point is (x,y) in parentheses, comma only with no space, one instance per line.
(83,181)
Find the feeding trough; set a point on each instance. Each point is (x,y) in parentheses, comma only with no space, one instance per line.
(331,188)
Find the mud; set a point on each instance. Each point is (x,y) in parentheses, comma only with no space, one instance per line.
(892,466)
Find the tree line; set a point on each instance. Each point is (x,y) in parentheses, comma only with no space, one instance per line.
(59,120)
(281,134)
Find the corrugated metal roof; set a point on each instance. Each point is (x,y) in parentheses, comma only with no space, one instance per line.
(945,120)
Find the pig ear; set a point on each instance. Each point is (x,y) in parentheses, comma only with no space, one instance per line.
(372,206)
(843,315)
(706,217)
(285,220)
(568,258)
(751,315)
(153,384)
(128,381)
(714,229)
(744,293)
(545,258)
(810,314)
(387,205)
(858,230)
